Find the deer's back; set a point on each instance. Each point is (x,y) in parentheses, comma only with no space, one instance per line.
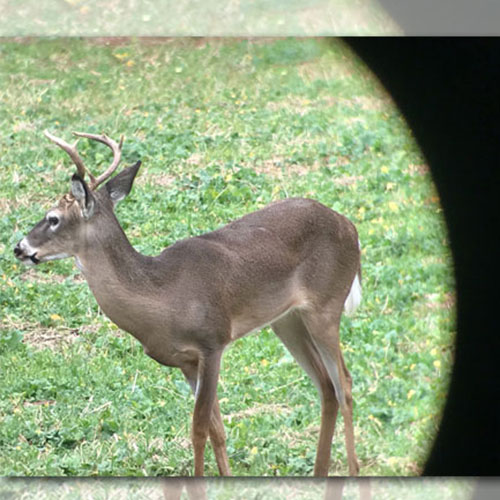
(280,251)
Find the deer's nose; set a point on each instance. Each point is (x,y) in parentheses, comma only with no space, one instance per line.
(17,250)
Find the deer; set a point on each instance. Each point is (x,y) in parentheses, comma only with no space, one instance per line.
(294,265)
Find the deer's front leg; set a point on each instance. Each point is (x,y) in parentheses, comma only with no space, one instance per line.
(216,430)
(206,390)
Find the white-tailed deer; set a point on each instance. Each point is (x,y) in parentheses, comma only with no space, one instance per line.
(293,265)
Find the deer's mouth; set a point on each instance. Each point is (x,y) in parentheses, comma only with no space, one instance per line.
(29,260)
(25,253)
(34,259)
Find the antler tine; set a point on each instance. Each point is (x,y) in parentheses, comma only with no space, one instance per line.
(117,153)
(72,152)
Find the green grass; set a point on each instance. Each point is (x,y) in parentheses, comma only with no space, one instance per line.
(222,128)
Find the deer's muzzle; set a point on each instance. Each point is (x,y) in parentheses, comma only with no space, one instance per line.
(25,253)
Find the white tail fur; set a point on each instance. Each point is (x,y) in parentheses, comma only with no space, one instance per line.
(354,298)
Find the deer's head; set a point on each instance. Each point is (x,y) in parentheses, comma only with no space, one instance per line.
(81,214)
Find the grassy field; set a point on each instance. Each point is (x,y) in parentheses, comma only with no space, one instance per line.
(223,127)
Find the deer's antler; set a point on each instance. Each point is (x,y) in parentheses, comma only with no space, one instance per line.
(72,152)
(117,154)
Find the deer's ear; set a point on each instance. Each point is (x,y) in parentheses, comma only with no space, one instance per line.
(120,185)
(83,196)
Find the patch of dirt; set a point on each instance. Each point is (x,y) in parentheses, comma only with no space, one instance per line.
(278,167)
(42,337)
(40,81)
(35,276)
(418,169)
(301,106)
(294,437)
(370,103)
(20,126)
(6,206)
(118,41)
(43,402)
(195,159)
(46,337)
(342,161)
(182,442)
(432,302)
(157,40)
(448,302)
(259,410)
(311,70)
(198,42)
(26,200)
(163,180)
(293,103)
(347,180)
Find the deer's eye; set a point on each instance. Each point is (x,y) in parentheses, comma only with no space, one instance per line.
(53,220)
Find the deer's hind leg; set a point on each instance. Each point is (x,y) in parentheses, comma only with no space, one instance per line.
(323,329)
(293,333)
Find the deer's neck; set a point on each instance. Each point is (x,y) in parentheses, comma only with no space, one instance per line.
(119,277)
(110,258)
